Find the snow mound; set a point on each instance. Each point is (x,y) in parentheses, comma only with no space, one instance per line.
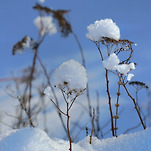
(71,76)
(45,25)
(34,139)
(103,28)
(139,141)
(27,139)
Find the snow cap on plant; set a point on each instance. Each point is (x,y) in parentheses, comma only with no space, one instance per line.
(125,68)
(129,76)
(111,62)
(103,28)
(45,25)
(71,77)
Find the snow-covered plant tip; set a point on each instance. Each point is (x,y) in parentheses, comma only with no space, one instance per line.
(71,77)
(103,28)
(107,33)
(45,25)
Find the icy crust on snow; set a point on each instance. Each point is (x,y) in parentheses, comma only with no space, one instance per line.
(34,139)
(45,25)
(103,28)
(71,76)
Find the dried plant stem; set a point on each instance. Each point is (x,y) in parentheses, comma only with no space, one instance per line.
(68,129)
(83,63)
(109,99)
(116,117)
(54,94)
(80,47)
(136,107)
(93,118)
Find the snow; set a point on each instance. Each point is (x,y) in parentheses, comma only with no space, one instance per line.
(48,92)
(125,68)
(71,76)
(129,76)
(111,62)
(34,139)
(103,28)
(45,25)
(42,1)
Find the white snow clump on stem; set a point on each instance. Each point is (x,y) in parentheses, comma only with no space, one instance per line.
(111,62)
(45,25)
(130,76)
(103,28)
(71,76)
(125,68)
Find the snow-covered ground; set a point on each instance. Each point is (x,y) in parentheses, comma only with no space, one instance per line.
(34,139)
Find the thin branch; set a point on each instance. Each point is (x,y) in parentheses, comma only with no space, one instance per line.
(93,118)
(136,107)
(109,99)
(58,108)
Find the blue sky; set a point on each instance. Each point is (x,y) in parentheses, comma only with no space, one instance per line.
(133,17)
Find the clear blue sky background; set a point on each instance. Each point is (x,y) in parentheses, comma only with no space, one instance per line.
(133,17)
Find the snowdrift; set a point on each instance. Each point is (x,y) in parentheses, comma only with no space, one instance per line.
(34,139)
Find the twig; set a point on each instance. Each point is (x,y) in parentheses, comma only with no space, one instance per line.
(93,118)
(117,106)
(68,129)
(109,99)
(136,107)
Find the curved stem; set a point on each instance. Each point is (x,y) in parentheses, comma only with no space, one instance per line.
(136,107)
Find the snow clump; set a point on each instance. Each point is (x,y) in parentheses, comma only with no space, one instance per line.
(103,28)
(111,62)
(130,76)
(48,91)
(125,68)
(71,76)
(45,25)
